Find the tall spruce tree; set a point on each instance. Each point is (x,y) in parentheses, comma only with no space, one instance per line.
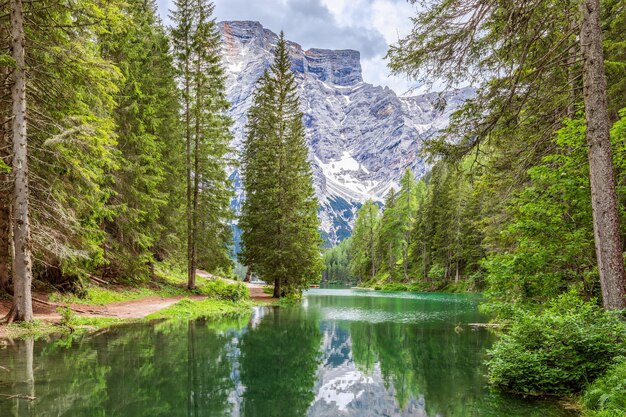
(147,122)
(279,221)
(63,89)
(390,235)
(364,258)
(406,207)
(206,130)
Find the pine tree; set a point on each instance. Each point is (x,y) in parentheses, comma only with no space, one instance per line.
(389,239)
(364,258)
(206,129)
(530,95)
(5,145)
(146,126)
(279,215)
(406,208)
(65,95)
(22,261)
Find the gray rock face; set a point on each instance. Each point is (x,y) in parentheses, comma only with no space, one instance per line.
(361,137)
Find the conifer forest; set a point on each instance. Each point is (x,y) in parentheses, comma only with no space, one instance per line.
(199,216)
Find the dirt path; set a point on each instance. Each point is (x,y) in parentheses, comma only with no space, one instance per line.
(134,309)
(256,290)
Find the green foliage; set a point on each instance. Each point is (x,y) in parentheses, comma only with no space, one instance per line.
(436,272)
(187,309)
(337,264)
(427,236)
(558,350)
(222,290)
(280,227)
(363,254)
(206,128)
(68,317)
(146,120)
(71,134)
(4,167)
(606,396)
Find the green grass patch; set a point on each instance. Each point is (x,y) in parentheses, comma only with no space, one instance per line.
(38,329)
(167,284)
(606,396)
(187,309)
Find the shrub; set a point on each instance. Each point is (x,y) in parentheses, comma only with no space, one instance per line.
(558,350)
(606,397)
(223,290)
(437,272)
(68,318)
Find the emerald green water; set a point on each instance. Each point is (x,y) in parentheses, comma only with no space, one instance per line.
(341,353)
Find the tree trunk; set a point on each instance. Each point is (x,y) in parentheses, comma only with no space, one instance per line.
(248,277)
(602,176)
(191,272)
(5,235)
(5,187)
(22,264)
(276,288)
(196,181)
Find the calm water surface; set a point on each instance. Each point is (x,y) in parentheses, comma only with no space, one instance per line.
(341,353)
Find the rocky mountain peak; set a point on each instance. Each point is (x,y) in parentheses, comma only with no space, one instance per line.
(338,67)
(342,68)
(361,137)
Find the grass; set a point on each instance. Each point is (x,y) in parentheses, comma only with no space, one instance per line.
(167,284)
(187,309)
(225,300)
(38,329)
(606,396)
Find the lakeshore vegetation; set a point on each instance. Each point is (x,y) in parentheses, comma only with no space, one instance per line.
(525,199)
(115,154)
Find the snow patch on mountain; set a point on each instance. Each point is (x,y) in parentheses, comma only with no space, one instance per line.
(361,137)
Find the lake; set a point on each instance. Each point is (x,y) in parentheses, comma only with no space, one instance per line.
(339,353)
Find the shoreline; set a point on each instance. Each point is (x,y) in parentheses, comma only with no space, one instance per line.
(56,313)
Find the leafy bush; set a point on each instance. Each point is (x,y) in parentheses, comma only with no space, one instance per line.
(606,397)
(437,272)
(223,290)
(558,350)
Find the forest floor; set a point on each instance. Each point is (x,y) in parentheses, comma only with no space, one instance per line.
(45,305)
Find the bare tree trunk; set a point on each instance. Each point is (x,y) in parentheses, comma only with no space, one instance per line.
(5,181)
(5,235)
(602,176)
(248,277)
(572,57)
(191,273)
(196,181)
(22,264)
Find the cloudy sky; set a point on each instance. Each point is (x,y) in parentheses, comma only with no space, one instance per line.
(368,26)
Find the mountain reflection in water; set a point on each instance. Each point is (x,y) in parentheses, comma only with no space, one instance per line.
(340,353)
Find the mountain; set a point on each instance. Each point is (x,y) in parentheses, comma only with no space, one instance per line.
(361,137)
